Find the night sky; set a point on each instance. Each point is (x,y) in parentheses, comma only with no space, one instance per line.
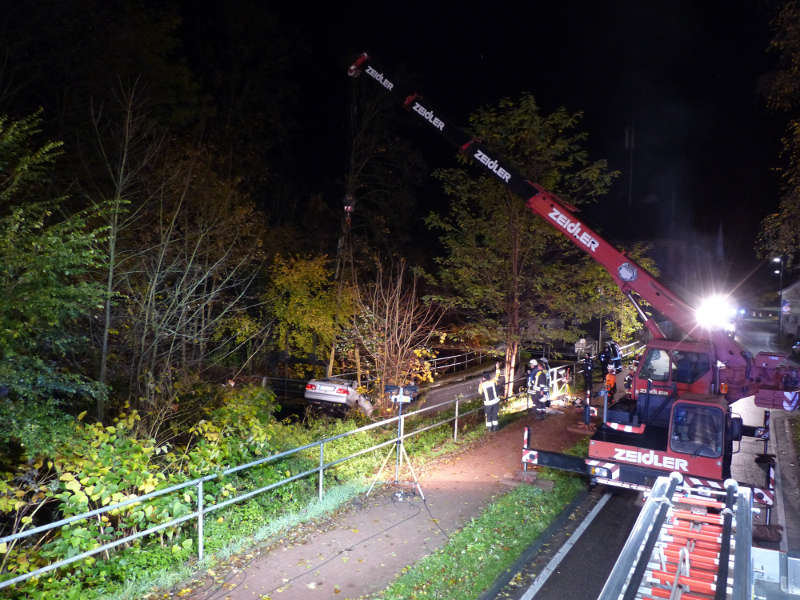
(684,75)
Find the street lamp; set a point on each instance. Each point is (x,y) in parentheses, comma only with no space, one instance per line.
(779,273)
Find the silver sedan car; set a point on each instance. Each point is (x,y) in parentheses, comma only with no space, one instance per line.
(332,391)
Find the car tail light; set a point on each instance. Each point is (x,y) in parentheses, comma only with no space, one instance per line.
(342,391)
(310,386)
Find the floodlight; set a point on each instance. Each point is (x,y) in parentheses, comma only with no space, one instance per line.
(715,312)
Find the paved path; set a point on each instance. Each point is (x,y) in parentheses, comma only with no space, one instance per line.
(361,550)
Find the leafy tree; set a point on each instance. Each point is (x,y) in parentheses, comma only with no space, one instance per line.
(505,267)
(779,233)
(303,301)
(46,263)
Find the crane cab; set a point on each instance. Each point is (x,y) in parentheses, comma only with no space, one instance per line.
(673,368)
(694,437)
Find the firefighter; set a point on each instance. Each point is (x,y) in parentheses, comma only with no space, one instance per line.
(611,381)
(529,382)
(628,383)
(491,402)
(605,358)
(588,366)
(538,389)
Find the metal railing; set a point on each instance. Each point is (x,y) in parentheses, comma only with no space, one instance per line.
(626,351)
(441,364)
(201,510)
(560,380)
(444,364)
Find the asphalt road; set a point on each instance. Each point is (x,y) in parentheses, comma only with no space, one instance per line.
(583,570)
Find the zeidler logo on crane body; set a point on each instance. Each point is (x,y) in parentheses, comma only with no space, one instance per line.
(379,78)
(574,229)
(651,459)
(428,116)
(492,165)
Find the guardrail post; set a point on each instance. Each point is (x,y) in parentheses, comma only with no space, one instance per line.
(200,546)
(321,463)
(401,434)
(455,428)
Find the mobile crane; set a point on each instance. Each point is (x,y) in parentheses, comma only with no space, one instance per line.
(679,416)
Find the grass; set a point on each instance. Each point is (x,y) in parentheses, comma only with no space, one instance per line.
(475,556)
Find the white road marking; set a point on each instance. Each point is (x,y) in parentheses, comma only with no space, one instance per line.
(559,556)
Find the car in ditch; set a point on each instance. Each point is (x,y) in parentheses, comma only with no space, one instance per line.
(336,393)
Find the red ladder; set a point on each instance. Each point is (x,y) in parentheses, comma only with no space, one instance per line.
(686,546)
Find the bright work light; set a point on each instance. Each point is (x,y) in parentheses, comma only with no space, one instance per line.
(715,312)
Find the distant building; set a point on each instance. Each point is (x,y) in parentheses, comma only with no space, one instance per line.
(790,321)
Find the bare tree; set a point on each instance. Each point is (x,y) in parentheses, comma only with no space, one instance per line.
(394,327)
(199,257)
(127,146)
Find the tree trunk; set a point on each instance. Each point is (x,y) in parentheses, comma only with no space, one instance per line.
(512,317)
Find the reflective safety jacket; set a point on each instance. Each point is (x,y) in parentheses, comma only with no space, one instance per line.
(489,391)
(539,383)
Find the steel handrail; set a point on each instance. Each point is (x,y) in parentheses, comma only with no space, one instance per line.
(200,510)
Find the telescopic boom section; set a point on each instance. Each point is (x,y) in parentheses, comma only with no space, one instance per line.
(634,281)
(629,276)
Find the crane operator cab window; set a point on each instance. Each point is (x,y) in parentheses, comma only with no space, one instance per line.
(676,365)
(688,367)
(655,365)
(697,430)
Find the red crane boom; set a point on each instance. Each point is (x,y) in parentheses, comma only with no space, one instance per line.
(737,373)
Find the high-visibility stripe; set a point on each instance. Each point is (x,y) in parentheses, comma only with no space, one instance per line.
(765,497)
(612,468)
(626,428)
(698,482)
